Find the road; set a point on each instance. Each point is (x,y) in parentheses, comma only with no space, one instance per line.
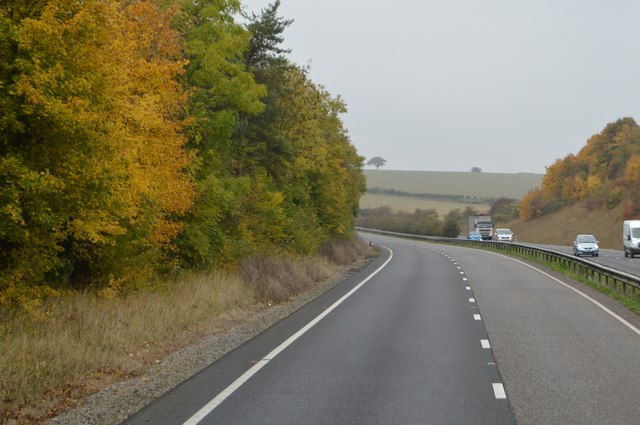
(607,257)
(563,358)
(433,337)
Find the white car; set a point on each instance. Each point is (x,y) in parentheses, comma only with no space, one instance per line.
(504,235)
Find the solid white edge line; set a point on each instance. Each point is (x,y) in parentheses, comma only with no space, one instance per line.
(602,306)
(498,391)
(215,402)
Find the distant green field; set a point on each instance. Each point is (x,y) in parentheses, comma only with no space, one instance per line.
(472,185)
(484,185)
(410,204)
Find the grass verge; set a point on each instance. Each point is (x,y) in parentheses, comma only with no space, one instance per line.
(632,303)
(54,356)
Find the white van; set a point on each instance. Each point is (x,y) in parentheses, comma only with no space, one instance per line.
(631,237)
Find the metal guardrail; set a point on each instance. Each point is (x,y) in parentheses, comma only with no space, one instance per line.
(624,283)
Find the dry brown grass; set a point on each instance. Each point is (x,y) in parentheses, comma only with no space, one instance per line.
(277,278)
(561,228)
(274,278)
(345,252)
(73,346)
(57,350)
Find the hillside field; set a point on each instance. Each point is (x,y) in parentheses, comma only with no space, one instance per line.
(472,185)
(411,203)
(488,185)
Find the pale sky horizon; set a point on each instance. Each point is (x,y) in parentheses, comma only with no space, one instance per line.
(501,85)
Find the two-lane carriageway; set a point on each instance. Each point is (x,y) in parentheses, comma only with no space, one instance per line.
(426,334)
(566,354)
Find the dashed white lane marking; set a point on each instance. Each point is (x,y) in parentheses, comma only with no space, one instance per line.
(498,391)
(472,300)
(485,343)
(461,272)
(476,317)
(465,279)
(468,288)
(215,402)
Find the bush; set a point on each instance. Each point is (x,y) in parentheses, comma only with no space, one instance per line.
(277,278)
(420,222)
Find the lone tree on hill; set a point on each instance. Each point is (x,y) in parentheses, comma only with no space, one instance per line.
(377,162)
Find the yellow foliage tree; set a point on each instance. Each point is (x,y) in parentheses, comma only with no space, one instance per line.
(531,205)
(631,181)
(326,166)
(573,189)
(98,110)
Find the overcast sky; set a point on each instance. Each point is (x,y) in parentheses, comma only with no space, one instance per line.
(447,85)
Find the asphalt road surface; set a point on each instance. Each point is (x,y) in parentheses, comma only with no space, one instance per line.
(426,334)
(607,257)
(565,357)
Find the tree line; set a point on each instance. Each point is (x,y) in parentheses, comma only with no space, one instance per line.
(604,174)
(139,136)
(429,223)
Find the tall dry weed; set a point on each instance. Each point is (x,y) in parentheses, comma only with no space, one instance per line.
(345,251)
(83,334)
(277,278)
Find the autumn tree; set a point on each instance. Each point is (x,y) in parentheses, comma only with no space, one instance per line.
(325,180)
(452,227)
(92,165)
(220,89)
(504,209)
(531,205)
(605,155)
(631,183)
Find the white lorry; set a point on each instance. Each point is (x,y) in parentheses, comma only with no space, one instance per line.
(482,224)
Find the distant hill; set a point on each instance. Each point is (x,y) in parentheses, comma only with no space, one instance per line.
(467,184)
